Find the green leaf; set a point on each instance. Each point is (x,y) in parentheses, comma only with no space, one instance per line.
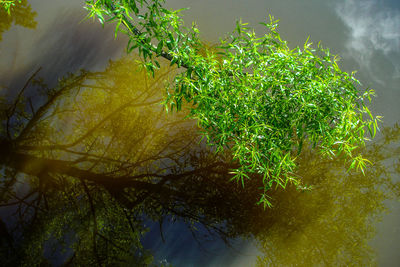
(159,47)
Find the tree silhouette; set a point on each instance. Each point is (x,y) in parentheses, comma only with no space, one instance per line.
(100,148)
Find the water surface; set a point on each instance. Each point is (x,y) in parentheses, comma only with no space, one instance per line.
(338,217)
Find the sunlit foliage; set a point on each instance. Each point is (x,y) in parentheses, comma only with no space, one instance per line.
(256,97)
(7,4)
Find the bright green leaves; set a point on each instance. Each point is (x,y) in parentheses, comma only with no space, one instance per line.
(264,101)
(8,4)
(255,97)
(153,30)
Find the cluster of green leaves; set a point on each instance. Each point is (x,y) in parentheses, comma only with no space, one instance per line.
(256,97)
(146,22)
(7,4)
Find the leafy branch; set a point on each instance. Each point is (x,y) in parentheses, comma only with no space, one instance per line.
(8,4)
(255,97)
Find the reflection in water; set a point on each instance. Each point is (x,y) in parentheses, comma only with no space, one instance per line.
(21,14)
(373,27)
(97,157)
(332,224)
(374,39)
(92,142)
